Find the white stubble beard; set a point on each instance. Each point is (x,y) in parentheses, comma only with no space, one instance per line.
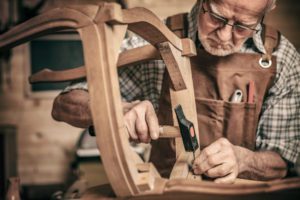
(220,50)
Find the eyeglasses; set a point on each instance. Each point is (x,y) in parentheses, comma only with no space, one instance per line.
(238,28)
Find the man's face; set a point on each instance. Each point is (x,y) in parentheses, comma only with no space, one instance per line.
(221,40)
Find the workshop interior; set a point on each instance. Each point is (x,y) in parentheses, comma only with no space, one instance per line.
(41,158)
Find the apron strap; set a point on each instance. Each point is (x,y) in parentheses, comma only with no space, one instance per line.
(271,39)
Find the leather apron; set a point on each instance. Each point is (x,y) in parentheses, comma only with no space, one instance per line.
(215,80)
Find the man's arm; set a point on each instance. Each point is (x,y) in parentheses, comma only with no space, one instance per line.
(73,108)
(261,165)
(140,118)
(225,162)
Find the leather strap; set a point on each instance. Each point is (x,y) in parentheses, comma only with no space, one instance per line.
(271,38)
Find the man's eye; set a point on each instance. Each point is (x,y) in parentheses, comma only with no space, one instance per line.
(241,29)
(218,20)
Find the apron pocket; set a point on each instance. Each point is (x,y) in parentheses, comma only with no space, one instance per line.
(234,121)
(239,124)
(210,115)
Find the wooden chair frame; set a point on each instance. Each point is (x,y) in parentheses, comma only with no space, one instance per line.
(102,28)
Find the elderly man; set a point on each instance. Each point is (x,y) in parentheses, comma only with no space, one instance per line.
(257,137)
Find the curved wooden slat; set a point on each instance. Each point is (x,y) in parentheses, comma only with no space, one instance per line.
(50,22)
(47,75)
(147,25)
(106,109)
(240,187)
(130,57)
(138,55)
(141,21)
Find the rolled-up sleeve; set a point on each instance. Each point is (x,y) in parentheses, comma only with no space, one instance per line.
(141,81)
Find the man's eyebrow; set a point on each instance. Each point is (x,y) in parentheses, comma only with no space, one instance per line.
(249,24)
(213,8)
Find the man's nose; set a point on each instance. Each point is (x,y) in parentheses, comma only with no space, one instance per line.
(225,33)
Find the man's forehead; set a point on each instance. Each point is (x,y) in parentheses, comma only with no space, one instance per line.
(249,7)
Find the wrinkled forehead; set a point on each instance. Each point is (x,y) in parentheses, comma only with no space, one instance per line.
(253,8)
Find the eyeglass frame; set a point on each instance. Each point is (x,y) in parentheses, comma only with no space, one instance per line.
(225,21)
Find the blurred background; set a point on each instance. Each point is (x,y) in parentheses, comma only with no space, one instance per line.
(47,155)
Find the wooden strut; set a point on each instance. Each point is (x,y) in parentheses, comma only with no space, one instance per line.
(102,28)
(127,58)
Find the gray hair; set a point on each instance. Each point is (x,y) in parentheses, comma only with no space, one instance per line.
(270,5)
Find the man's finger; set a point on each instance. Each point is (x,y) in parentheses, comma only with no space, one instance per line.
(212,149)
(130,125)
(205,165)
(230,178)
(142,128)
(152,123)
(219,171)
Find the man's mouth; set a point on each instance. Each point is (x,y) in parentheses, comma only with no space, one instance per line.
(217,45)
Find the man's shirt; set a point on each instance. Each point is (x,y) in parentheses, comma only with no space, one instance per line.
(279,124)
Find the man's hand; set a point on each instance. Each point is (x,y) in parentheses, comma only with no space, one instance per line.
(219,161)
(141,121)
(140,117)
(225,162)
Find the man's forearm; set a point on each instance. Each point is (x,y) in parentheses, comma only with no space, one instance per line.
(263,165)
(73,108)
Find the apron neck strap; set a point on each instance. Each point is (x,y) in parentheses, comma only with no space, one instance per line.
(271,38)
